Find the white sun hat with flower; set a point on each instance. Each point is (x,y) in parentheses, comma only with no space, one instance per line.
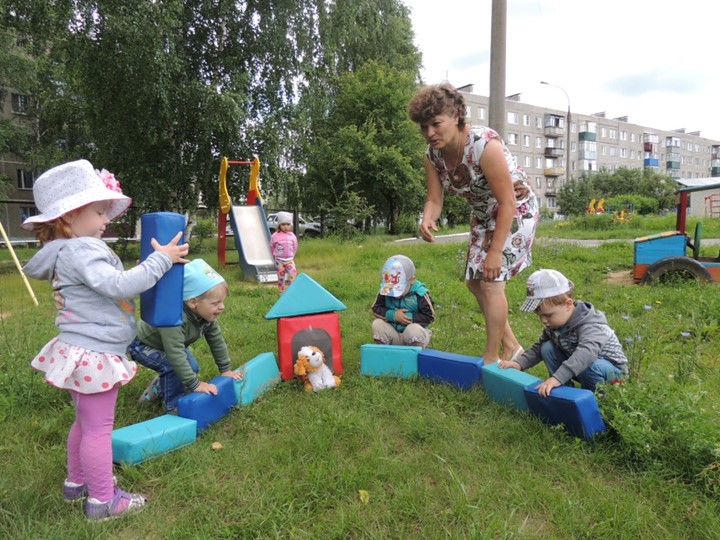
(71,186)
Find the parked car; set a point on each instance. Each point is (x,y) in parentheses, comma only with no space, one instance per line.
(311,229)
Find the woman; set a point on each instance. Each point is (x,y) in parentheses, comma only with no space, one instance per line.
(475,163)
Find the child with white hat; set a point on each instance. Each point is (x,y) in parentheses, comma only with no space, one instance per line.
(577,342)
(166,351)
(284,244)
(403,308)
(94,297)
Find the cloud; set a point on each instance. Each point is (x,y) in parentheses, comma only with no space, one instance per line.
(650,82)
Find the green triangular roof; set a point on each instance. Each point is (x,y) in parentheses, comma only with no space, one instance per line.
(304,296)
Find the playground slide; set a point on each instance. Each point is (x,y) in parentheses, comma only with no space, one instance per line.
(252,240)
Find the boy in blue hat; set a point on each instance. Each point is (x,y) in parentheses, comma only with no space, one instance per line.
(165,350)
(403,308)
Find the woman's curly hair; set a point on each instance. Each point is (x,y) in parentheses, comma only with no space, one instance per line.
(432,100)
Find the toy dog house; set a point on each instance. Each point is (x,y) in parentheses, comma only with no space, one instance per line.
(306,315)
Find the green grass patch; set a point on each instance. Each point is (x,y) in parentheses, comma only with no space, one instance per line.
(436,462)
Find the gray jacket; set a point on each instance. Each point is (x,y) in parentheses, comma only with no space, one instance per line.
(585,338)
(93,293)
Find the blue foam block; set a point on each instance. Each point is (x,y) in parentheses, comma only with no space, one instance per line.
(389,360)
(162,305)
(575,408)
(207,408)
(136,443)
(259,375)
(457,369)
(507,385)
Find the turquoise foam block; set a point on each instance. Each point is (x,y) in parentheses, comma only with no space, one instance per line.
(507,385)
(206,409)
(445,367)
(259,375)
(136,443)
(575,408)
(389,360)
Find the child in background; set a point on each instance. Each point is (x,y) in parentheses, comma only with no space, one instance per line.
(93,295)
(165,350)
(283,244)
(577,342)
(403,307)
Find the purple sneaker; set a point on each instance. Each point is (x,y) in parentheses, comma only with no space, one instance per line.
(73,492)
(119,505)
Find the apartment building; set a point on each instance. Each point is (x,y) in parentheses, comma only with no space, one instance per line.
(16,203)
(539,138)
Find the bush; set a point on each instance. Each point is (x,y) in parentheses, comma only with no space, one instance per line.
(632,203)
(407,224)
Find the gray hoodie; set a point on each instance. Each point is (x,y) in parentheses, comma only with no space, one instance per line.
(585,338)
(93,293)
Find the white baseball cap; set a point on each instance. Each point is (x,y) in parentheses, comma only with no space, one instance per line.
(396,272)
(544,284)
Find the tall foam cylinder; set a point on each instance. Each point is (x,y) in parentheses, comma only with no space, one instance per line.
(162,305)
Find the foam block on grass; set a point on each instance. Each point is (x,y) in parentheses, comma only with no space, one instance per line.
(207,408)
(389,360)
(575,408)
(507,386)
(139,442)
(259,375)
(456,369)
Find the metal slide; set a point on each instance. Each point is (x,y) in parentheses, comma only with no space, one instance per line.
(252,240)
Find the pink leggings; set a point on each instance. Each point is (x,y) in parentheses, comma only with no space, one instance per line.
(89,443)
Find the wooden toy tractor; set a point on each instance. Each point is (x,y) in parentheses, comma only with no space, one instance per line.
(673,255)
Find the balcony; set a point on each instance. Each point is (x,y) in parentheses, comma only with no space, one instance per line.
(554,171)
(554,131)
(715,171)
(651,162)
(554,152)
(648,147)
(587,136)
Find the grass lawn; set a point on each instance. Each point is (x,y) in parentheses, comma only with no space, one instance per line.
(436,462)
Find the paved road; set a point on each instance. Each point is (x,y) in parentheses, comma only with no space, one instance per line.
(463,238)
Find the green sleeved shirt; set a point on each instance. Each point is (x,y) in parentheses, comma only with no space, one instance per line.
(174,339)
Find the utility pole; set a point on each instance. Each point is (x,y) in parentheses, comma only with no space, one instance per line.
(498,42)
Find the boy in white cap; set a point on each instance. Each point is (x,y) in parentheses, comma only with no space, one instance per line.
(403,308)
(577,342)
(165,350)
(283,245)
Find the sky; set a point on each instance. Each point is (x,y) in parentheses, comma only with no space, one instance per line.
(653,61)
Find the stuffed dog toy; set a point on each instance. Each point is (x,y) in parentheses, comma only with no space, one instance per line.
(310,368)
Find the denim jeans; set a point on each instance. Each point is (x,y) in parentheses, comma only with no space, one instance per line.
(600,371)
(171,388)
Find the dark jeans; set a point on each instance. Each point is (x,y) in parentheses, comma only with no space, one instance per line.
(600,371)
(171,388)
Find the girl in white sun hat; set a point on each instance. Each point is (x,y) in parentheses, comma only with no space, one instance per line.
(93,295)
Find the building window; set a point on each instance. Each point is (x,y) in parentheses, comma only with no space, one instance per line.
(469,111)
(19,104)
(551,202)
(513,138)
(538,122)
(538,142)
(481,113)
(24,179)
(538,182)
(512,117)
(526,140)
(526,119)
(528,162)
(603,132)
(538,163)
(623,152)
(27,211)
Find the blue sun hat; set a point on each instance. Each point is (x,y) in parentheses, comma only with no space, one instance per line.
(199,278)
(397,271)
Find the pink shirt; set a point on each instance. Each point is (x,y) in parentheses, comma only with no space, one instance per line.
(283,245)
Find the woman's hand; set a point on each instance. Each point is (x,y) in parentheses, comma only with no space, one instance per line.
(426,225)
(492,265)
(237,375)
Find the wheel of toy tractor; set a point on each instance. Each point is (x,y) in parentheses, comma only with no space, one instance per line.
(676,268)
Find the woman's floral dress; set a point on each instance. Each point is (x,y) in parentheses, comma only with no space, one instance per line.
(468,181)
